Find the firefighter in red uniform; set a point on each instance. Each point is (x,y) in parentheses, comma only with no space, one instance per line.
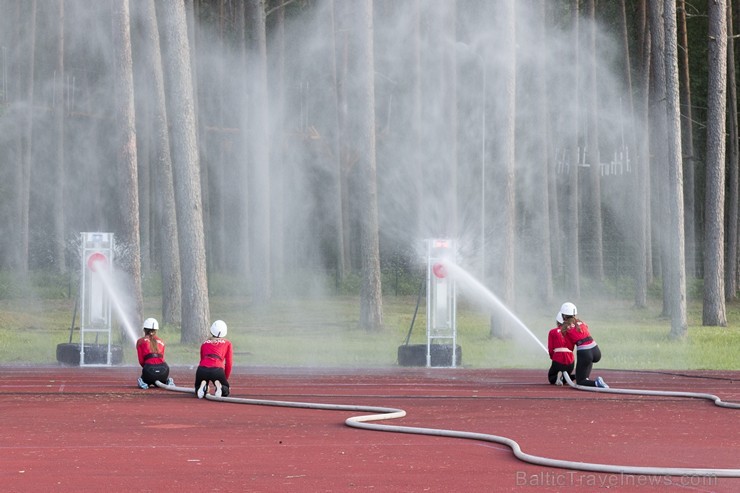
(216,357)
(561,354)
(150,350)
(577,334)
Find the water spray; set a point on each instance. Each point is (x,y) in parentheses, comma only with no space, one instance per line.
(465,279)
(443,274)
(106,278)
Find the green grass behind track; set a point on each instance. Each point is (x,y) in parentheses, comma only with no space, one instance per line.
(324,332)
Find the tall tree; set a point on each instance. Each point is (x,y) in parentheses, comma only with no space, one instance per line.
(714,312)
(164,196)
(542,222)
(733,26)
(126,125)
(658,136)
(340,189)
(186,170)
(371,301)
(676,259)
(687,139)
(8,145)
(213,163)
(243,220)
(57,250)
(415,190)
(506,162)
(592,210)
(641,175)
(731,270)
(277,147)
(342,46)
(557,264)
(144,136)
(571,223)
(24,189)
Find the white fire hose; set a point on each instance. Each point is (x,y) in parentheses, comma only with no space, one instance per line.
(664,393)
(386,413)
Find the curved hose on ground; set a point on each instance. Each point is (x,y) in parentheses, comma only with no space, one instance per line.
(665,393)
(386,413)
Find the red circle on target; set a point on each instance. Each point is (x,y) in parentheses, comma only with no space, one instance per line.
(95,260)
(439,271)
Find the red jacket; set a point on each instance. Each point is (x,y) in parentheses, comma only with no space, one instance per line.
(149,355)
(560,348)
(578,335)
(217,352)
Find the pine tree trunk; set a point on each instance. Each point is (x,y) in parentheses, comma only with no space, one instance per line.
(278,146)
(687,141)
(57,251)
(126,128)
(164,192)
(714,303)
(499,324)
(24,189)
(592,214)
(186,170)
(572,227)
(732,168)
(371,301)
(641,167)
(675,257)
(344,133)
(658,140)
(541,131)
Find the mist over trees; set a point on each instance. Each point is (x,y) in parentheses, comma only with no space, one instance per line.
(309,147)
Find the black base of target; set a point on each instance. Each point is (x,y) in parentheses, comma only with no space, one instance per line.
(95,354)
(416,355)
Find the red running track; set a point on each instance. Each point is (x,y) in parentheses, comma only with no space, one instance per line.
(92,430)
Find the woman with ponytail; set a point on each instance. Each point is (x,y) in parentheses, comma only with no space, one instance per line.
(150,350)
(577,334)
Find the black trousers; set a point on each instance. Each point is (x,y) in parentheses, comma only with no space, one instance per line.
(212,375)
(154,373)
(556,368)
(584,363)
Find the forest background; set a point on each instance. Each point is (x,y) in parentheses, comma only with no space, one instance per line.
(258,156)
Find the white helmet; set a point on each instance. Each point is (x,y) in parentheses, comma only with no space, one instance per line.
(218,329)
(568,309)
(151,323)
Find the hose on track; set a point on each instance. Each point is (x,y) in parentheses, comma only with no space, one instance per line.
(665,393)
(386,413)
